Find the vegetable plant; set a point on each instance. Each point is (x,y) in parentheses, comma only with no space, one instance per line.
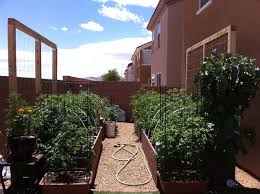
(19,117)
(180,134)
(66,125)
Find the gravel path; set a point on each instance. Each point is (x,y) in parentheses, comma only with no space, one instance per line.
(246,180)
(135,172)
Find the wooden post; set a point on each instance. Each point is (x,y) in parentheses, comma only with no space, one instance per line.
(54,71)
(38,72)
(12,56)
(232,41)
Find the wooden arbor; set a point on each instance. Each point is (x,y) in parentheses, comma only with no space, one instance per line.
(13,24)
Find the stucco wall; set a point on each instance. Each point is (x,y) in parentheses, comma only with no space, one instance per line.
(175,54)
(159,55)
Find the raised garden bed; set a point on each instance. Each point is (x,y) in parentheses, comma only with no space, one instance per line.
(181,187)
(94,159)
(81,187)
(150,154)
(178,187)
(83,181)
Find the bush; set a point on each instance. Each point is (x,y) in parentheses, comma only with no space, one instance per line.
(227,83)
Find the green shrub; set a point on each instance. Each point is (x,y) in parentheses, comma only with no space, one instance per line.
(227,83)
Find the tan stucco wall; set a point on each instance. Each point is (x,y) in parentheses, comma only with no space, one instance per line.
(159,55)
(175,54)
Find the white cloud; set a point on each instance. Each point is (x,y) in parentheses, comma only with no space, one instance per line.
(119,13)
(53,28)
(145,24)
(142,3)
(65,29)
(92,59)
(92,26)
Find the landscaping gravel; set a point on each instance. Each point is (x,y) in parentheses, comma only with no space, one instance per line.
(135,172)
(246,180)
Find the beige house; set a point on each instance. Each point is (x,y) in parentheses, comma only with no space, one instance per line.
(166,25)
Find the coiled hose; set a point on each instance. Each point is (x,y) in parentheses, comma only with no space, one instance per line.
(128,160)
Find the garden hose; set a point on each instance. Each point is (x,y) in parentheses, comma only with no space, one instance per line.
(128,160)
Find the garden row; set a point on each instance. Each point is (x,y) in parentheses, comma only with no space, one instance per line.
(192,141)
(67,131)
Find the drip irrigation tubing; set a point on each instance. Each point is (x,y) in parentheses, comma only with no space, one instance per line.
(128,161)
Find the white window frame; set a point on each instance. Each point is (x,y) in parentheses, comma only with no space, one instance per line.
(153,80)
(201,9)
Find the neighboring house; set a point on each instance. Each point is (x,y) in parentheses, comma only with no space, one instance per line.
(142,64)
(129,73)
(186,31)
(166,25)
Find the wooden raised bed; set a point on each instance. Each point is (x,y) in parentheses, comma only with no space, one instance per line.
(94,159)
(194,187)
(77,188)
(179,187)
(150,154)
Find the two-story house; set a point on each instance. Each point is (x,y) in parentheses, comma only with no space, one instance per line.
(129,73)
(166,25)
(142,64)
(186,31)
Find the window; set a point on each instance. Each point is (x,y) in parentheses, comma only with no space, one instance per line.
(159,34)
(203,3)
(153,80)
(158,79)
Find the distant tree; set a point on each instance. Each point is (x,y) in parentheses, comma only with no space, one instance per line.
(111,75)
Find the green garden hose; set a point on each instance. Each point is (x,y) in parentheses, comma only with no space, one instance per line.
(128,160)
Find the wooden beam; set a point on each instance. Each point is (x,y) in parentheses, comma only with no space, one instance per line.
(54,71)
(25,29)
(212,37)
(12,56)
(232,43)
(38,64)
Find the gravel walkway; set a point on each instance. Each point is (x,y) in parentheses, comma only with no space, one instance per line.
(135,172)
(246,180)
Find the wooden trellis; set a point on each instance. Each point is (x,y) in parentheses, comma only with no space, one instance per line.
(224,41)
(13,25)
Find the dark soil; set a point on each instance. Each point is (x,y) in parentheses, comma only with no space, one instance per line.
(68,177)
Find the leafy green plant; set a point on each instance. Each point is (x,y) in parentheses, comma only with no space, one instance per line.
(19,117)
(65,126)
(227,83)
(180,135)
(145,106)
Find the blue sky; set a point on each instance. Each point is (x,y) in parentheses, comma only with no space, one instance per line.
(92,35)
